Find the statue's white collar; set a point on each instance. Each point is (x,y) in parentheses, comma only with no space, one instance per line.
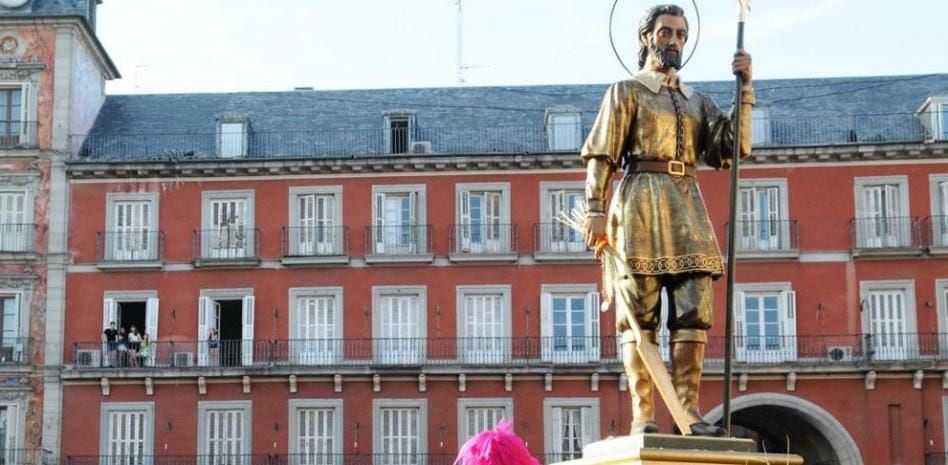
(654,81)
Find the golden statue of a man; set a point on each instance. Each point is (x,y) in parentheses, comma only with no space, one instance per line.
(656,129)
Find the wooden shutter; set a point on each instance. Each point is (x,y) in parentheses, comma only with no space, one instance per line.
(151,318)
(546,325)
(109,312)
(204,327)
(788,301)
(247,334)
(592,308)
(739,330)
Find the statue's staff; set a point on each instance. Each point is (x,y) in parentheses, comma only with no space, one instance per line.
(744,8)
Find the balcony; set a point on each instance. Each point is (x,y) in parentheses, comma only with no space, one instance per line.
(775,131)
(558,242)
(17,239)
(767,239)
(129,249)
(937,227)
(17,135)
(400,243)
(228,246)
(885,236)
(313,245)
(816,352)
(483,242)
(15,351)
(261,459)
(27,457)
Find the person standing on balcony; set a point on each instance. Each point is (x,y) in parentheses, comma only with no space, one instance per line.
(109,337)
(656,128)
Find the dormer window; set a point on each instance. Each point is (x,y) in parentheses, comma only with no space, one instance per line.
(564,128)
(399,131)
(760,126)
(934,116)
(232,135)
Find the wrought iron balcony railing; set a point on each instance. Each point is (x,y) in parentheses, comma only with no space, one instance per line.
(558,238)
(885,233)
(18,237)
(399,240)
(767,236)
(129,246)
(483,239)
(15,351)
(227,244)
(17,134)
(313,458)
(195,459)
(771,131)
(26,457)
(756,350)
(937,227)
(315,241)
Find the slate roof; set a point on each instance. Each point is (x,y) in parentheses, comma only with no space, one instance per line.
(52,8)
(306,123)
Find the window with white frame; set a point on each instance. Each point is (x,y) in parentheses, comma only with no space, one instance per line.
(11,432)
(766,323)
(14,325)
(225,329)
(228,225)
(941,297)
(571,424)
(934,116)
(233,135)
(224,431)
(564,129)
(131,232)
(17,114)
(483,323)
(399,131)
(316,325)
(939,202)
(483,218)
(127,428)
(763,213)
(399,324)
(316,221)
(16,230)
(888,319)
(400,431)
(477,415)
(882,212)
(570,323)
(760,126)
(556,199)
(128,310)
(316,431)
(399,227)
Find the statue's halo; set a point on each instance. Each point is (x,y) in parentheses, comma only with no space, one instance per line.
(694,46)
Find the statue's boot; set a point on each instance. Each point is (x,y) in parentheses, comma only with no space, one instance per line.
(640,388)
(687,365)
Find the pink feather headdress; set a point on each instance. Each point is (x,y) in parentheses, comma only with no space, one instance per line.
(497,446)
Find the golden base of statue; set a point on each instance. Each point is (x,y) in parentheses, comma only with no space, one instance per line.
(666,449)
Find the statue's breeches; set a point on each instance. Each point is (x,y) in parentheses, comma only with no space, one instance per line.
(689,302)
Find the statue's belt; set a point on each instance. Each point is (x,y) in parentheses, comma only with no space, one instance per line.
(671,168)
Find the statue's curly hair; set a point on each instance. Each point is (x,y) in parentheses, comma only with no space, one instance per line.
(647,25)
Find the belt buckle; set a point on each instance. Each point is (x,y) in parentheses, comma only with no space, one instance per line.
(676,168)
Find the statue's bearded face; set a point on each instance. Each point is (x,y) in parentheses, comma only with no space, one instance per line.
(667,40)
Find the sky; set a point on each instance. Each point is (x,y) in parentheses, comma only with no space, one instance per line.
(184,46)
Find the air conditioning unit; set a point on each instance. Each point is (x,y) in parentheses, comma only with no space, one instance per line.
(88,358)
(421,147)
(183,359)
(839,353)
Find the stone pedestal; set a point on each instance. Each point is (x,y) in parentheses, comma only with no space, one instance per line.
(666,449)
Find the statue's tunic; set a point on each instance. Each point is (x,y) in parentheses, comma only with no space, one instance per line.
(658,222)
